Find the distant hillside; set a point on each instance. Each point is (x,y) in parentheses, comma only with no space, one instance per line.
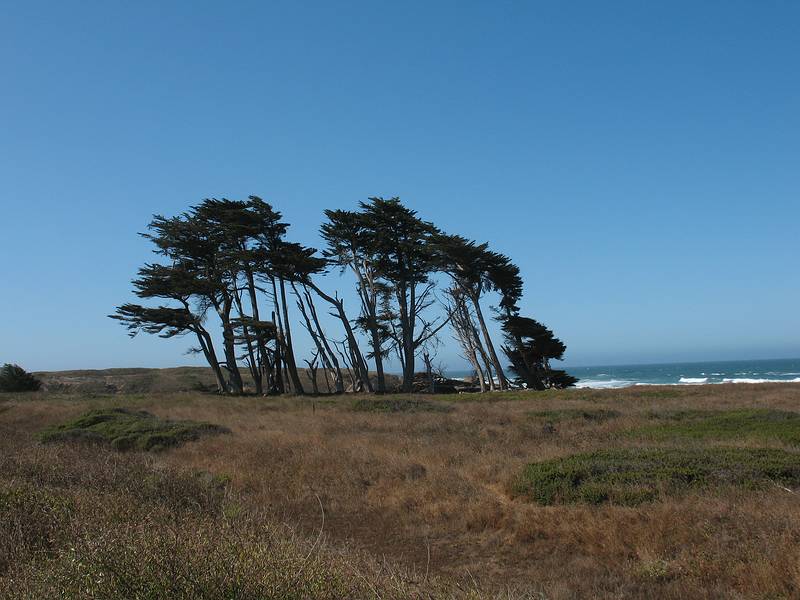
(177,379)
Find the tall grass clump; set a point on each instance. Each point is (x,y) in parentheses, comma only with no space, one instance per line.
(398,404)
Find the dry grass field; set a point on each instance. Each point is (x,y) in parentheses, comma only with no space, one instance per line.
(676,492)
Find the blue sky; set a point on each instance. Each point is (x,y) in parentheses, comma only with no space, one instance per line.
(639,161)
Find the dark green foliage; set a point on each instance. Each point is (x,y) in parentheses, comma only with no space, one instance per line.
(14,378)
(164,321)
(391,405)
(567,414)
(222,255)
(530,346)
(632,476)
(755,423)
(400,245)
(560,379)
(125,429)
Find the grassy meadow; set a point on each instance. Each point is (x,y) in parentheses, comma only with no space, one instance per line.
(656,492)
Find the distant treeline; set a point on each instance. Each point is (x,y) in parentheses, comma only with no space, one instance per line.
(233,258)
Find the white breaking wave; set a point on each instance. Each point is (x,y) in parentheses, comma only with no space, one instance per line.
(622,383)
(603,384)
(748,380)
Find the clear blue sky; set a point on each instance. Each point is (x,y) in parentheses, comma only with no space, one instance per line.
(640,161)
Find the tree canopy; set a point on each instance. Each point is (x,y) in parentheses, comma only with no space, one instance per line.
(228,264)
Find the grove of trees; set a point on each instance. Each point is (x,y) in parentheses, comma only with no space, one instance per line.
(231,260)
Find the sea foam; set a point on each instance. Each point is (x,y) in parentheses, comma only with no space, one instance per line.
(749,380)
(603,384)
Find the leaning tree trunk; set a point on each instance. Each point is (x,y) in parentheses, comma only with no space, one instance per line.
(255,370)
(207,345)
(339,383)
(229,345)
(429,371)
(359,364)
(407,337)
(327,357)
(501,378)
(279,341)
(473,359)
(290,362)
(261,342)
(368,304)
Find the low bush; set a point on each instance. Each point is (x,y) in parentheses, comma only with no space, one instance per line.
(761,424)
(14,378)
(126,429)
(632,476)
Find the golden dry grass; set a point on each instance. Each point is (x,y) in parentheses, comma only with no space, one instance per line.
(431,491)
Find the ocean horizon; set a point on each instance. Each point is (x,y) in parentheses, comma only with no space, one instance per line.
(784,370)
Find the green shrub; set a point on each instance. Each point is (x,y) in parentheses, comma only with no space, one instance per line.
(14,378)
(633,476)
(126,429)
(761,424)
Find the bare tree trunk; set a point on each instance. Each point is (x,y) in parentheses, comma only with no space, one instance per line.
(290,362)
(501,378)
(261,342)
(473,359)
(429,370)
(338,382)
(369,305)
(229,345)
(406,335)
(359,364)
(346,365)
(207,345)
(318,336)
(312,369)
(279,341)
(255,371)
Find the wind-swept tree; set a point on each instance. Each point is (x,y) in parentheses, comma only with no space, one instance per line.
(14,378)
(303,265)
(473,268)
(403,259)
(201,244)
(248,230)
(349,245)
(531,347)
(463,325)
(178,282)
(213,250)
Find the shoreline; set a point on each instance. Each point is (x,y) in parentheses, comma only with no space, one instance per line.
(620,384)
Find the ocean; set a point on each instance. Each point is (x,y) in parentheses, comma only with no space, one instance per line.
(694,373)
